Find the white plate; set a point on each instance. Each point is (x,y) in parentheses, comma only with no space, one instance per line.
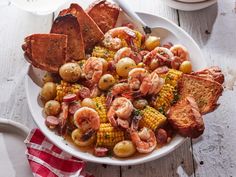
(189,6)
(13,161)
(33,83)
(39,7)
(191,1)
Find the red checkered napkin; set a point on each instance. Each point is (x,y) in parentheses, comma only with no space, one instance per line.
(47,160)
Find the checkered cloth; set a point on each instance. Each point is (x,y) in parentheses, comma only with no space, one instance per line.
(47,160)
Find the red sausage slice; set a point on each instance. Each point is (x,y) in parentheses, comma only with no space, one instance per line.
(52,121)
(73,107)
(100,151)
(84,92)
(69,98)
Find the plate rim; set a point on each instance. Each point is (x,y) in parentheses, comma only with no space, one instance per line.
(118,163)
(189,6)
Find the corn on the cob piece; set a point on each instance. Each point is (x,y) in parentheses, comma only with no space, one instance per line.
(102,52)
(64,88)
(172,77)
(151,118)
(100,106)
(108,136)
(165,98)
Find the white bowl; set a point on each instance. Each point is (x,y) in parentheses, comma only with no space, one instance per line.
(33,83)
(39,7)
(191,1)
(191,6)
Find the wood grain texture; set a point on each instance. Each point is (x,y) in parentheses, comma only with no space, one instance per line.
(14,26)
(214,30)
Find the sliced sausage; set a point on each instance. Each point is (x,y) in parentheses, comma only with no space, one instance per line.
(73,107)
(100,151)
(52,121)
(84,92)
(69,98)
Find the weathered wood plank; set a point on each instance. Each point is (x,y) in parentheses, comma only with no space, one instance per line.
(214,30)
(15,25)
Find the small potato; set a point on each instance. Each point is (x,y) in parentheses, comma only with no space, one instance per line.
(88,102)
(70,72)
(186,67)
(140,103)
(104,64)
(76,137)
(106,81)
(124,149)
(48,91)
(124,66)
(52,108)
(152,42)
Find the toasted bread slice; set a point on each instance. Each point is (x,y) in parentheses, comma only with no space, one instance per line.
(185,117)
(46,51)
(91,33)
(206,92)
(104,13)
(213,73)
(68,25)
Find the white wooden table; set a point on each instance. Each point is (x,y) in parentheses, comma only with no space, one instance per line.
(213,28)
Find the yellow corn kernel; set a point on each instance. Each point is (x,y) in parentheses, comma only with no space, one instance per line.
(151,118)
(102,52)
(65,88)
(100,106)
(108,136)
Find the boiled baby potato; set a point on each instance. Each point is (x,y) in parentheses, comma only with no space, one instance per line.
(124,66)
(76,137)
(106,81)
(48,91)
(140,103)
(88,102)
(186,67)
(124,149)
(52,108)
(152,42)
(70,72)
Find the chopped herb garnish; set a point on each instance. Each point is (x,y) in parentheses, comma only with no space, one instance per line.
(137,112)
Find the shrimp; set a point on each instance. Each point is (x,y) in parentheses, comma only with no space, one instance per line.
(180,51)
(93,69)
(87,119)
(113,38)
(157,83)
(120,88)
(138,79)
(160,55)
(127,52)
(144,140)
(121,108)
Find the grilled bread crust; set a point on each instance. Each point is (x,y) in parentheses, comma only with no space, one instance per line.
(213,73)
(104,13)
(205,92)
(185,117)
(91,33)
(46,51)
(68,25)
